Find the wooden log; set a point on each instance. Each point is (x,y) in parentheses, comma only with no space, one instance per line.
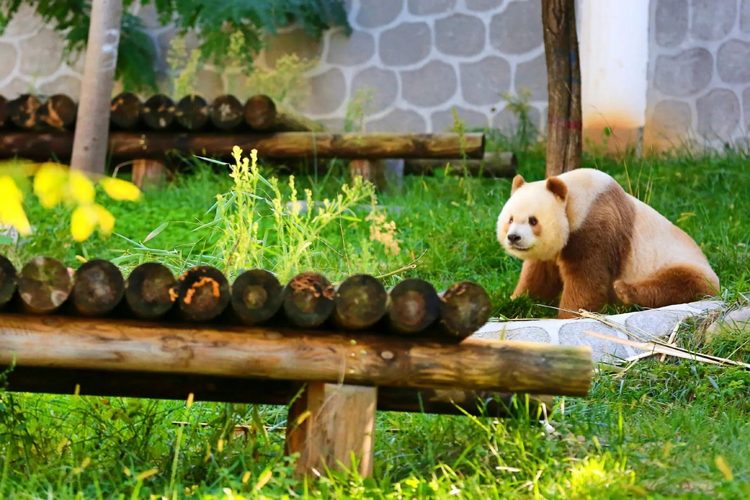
(3,111)
(262,113)
(125,111)
(58,112)
(98,287)
(158,112)
(150,291)
(330,425)
(308,300)
(257,296)
(203,293)
(226,112)
(22,111)
(501,164)
(370,170)
(191,112)
(8,280)
(359,302)
(300,355)
(283,145)
(44,284)
(149,173)
(564,115)
(464,308)
(260,391)
(413,306)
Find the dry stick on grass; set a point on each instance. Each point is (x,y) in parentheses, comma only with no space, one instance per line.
(98,288)
(8,280)
(413,306)
(359,302)
(257,296)
(203,294)
(308,300)
(44,284)
(150,290)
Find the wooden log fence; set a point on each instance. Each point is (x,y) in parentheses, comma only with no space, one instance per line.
(334,353)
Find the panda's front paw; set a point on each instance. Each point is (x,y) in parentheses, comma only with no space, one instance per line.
(624,292)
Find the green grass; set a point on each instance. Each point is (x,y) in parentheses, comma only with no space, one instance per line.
(653,431)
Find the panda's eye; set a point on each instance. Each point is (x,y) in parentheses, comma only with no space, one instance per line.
(532,221)
(511,219)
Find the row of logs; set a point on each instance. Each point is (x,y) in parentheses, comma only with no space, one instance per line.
(159,112)
(256,297)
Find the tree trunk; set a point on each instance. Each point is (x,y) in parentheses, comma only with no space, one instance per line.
(564,134)
(92,124)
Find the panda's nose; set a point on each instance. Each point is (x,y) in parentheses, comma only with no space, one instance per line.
(514,238)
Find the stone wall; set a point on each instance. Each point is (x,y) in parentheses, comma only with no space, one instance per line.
(699,71)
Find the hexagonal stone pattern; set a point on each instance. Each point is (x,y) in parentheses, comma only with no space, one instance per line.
(351,50)
(16,87)
(9,57)
(745,16)
(398,120)
(483,5)
(718,114)
(294,42)
(64,84)
(533,76)
(431,85)
(684,74)
(508,122)
(407,43)
(460,35)
(671,117)
(327,92)
(24,22)
(518,29)
(429,7)
(383,83)
(733,61)
(671,20)
(712,19)
(602,350)
(483,81)
(374,13)
(442,121)
(41,54)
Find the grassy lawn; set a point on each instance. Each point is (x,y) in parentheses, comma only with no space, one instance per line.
(657,430)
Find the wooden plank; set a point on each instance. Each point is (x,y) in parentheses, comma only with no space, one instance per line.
(149,173)
(501,164)
(370,170)
(301,355)
(331,424)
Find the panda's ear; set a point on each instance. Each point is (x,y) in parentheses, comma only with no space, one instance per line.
(517,183)
(557,187)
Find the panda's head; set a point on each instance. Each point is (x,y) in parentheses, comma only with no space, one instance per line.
(533,224)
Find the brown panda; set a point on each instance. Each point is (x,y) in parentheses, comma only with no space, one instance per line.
(581,234)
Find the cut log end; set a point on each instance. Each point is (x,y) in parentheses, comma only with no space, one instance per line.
(360,302)
(125,111)
(151,290)
(8,280)
(3,111)
(226,112)
(260,112)
(98,288)
(58,112)
(308,300)
(464,308)
(203,293)
(192,112)
(23,111)
(257,296)
(44,284)
(158,112)
(413,306)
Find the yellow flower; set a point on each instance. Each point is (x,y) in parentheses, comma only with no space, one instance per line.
(81,188)
(83,222)
(11,209)
(120,189)
(49,183)
(106,220)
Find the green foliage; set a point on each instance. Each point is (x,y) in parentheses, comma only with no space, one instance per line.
(215,23)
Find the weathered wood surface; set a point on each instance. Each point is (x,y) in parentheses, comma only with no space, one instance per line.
(464,308)
(413,306)
(284,354)
(501,164)
(258,391)
(308,300)
(23,112)
(359,302)
(98,288)
(3,111)
(203,293)
(150,291)
(125,111)
(329,425)
(8,280)
(192,112)
(370,170)
(257,296)
(226,112)
(58,112)
(262,113)
(44,285)
(131,145)
(149,173)
(158,112)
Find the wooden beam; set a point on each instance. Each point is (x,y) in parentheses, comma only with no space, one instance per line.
(89,148)
(305,356)
(134,145)
(495,164)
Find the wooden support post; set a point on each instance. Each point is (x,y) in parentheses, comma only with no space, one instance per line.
(329,424)
(564,134)
(369,170)
(149,173)
(92,123)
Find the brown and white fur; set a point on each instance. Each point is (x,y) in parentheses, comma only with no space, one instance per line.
(581,234)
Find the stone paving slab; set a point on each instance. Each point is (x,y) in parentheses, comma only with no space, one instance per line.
(655,322)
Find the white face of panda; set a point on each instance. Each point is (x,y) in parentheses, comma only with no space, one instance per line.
(533,224)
